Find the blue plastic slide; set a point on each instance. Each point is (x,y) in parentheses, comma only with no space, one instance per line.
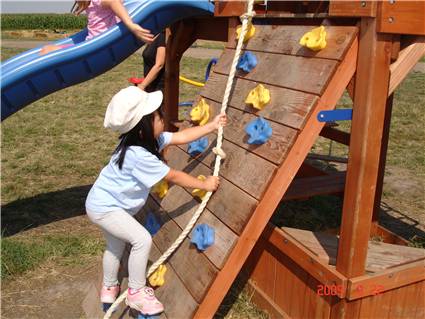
(28,76)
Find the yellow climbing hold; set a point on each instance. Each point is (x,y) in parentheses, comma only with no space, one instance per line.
(200,193)
(249,33)
(157,278)
(258,97)
(315,39)
(200,113)
(160,188)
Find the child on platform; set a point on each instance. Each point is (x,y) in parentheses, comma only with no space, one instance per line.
(102,15)
(123,186)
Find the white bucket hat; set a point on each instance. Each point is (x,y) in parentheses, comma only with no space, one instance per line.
(128,107)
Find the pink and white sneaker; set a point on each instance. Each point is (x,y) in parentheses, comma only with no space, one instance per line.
(144,300)
(109,294)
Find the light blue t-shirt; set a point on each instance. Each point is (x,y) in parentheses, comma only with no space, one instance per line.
(128,188)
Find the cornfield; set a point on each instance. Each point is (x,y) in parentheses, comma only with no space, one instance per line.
(42,21)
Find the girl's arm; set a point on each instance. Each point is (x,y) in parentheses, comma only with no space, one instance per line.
(120,11)
(193,133)
(153,73)
(186,180)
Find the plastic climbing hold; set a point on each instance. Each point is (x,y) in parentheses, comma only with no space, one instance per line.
(157,278)
(200,193)
(247,62)
(259,131)
(198,146)
(258,97)
(200,113)
(315,39)
(203,236)
(160,188)
(249,33)
(141,316)
(152,225)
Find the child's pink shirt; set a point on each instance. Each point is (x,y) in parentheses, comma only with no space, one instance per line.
(99,19)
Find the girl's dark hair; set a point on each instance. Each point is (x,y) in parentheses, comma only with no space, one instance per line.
(140,135)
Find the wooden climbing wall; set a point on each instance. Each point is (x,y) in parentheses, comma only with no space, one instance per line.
(301,83)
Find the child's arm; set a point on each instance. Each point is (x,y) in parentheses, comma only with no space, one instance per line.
(193,133)
(153,73)
(120,11)
(186,180)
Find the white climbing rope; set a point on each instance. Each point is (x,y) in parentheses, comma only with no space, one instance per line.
(246,19)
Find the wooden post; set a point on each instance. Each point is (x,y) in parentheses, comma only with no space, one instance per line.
(382,161)
(371,91)
(182,35)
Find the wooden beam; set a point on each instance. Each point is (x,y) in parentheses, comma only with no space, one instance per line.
(396,277)
(230,8)
(182,35)
(402,17)
(278,186)
(336,135)
(372,78)
(407,59)
(355,8)
(212,28)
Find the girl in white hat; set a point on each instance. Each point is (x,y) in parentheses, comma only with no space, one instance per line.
(123,186)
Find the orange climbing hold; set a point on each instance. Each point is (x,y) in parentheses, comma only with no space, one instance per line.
(315,39)
(258,97)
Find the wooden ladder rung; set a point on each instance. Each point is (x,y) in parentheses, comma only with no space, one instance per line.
(306,187)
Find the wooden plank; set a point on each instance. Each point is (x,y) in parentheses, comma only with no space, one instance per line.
(287,107)
(407,59)
(420,293)
(402,17)
(241,175)
(313,186)
(180,206)
(390,237)
(336,135)
(354,8)
(274,150)
(385,280)
(371,92)
(264,273)
(192,267)
(229,203)
(308,75)
(177,300)
(284,39)
(211,28)
(308,170)
(278,187)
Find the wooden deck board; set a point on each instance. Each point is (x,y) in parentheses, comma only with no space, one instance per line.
(285,39)
(380,255)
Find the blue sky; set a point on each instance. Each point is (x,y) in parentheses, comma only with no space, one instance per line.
(35,6)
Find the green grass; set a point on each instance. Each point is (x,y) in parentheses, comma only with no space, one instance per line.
(19,256)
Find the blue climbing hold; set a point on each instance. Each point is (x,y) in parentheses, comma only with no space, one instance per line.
(247,62)
(259,131)
(198,146)
(142,316)
(152,225)
(202,236)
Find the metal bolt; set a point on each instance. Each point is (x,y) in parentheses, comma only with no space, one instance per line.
(363,4)
(392,1)
(391,19)
(285,241)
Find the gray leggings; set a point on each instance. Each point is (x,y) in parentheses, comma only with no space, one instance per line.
(119,228)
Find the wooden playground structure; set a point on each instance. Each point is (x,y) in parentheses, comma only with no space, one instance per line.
(295,273)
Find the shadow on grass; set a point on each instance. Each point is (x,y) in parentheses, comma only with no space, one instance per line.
(42,209)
